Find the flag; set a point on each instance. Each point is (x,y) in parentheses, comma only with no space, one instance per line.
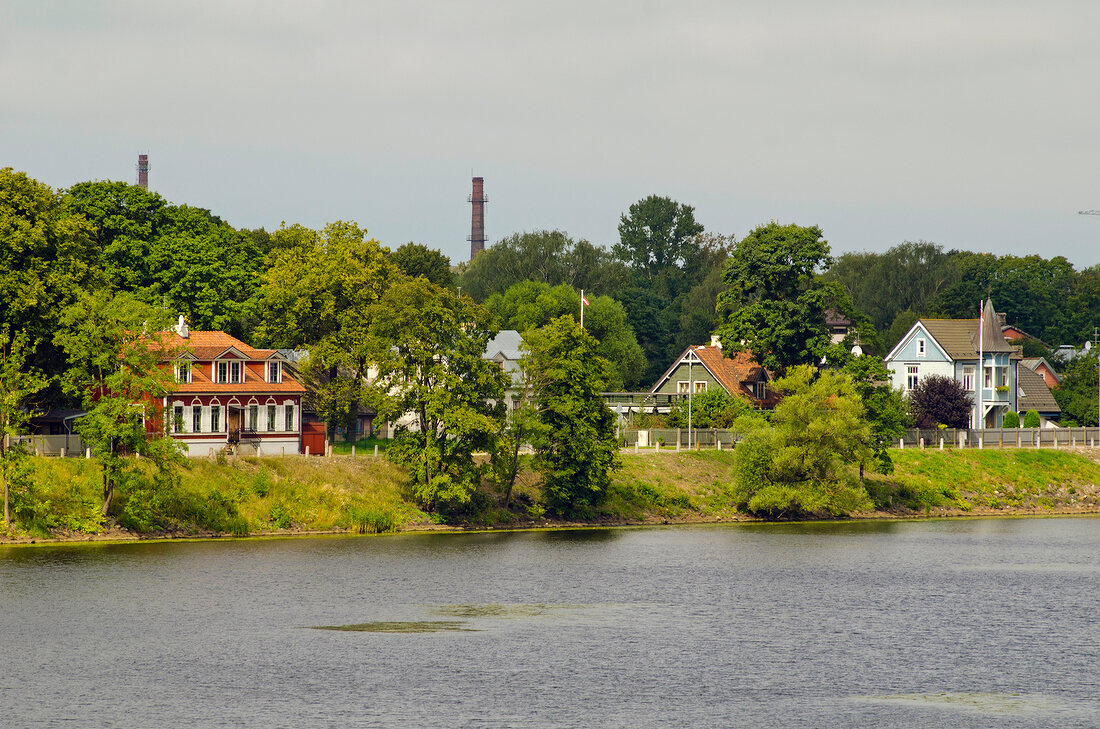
(584,301)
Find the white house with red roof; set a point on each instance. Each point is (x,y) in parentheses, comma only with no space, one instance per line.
(230,396)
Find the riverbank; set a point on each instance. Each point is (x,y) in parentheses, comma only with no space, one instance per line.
(297,496)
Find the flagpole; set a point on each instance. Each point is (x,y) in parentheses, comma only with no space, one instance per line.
(582,308)
(980,416)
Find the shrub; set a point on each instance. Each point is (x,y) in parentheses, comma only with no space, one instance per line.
(1012,420)
(940,400)
(372,520)
(1031,419)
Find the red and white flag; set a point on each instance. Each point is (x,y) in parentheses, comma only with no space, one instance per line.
(584,301)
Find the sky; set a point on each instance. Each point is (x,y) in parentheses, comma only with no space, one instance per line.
(974,125)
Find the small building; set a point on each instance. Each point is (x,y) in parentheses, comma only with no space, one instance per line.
(230,396)
(504,349)
(1035,395)
(702,368)
(1040,365)
(950,347)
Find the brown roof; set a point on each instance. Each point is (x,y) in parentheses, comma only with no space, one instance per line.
(959,337)
(1034,393)
(208,345)
(733,371)
(255,381)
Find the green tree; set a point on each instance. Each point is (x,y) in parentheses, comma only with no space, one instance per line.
(18,384)
(777,302)
(319,294)
(800,463)
(575,447)
(940,400)
(1077,393)
(530,305)
(415,259)
(885,409)
(428,346)
(656,240)
(1031,419)
(1012,420)
(901,325)
(115,368)
(711,409)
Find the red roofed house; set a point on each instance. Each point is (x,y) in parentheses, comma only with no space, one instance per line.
(701,368)
(229,395)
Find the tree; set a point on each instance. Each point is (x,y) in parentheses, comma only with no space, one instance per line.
(319,294)
(428,345)
(655,239)
(1031,419)
(799,464)
(884,407)
(777,302)
(1077,393)
(711,409)
(115,368)
(940,400)
(575,447)
(1012,420)
(530,305)
(17,385)
(415,260)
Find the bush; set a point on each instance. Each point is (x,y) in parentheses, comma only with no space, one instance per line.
(1031,419)
(940,400)
(1012,420)
(372,520)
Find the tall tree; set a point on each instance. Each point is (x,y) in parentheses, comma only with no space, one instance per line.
(18,384)
(319,294)
(656,241)
(115,368)
(428,346)
(415,259)
(777,302)
(575,447)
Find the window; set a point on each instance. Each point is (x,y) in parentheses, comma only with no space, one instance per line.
(700,386)
(177,419)
(183,372)
(215,418)
(273,371)
(912,376)
(988,381)
(253,417)
(1002,377)
(234,371)
(682,387)
(920,348)
(290,417)
(223,372)
(968,378)
(196,418)
(271,417)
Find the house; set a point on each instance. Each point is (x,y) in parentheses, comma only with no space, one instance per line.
(950,347)
(1034,394)
(1040,365)
(504,349)
(701,368)
(230,396)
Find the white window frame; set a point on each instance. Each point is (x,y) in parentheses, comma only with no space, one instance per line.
(276,369)
(987,378)
(221,369)
(236,372)
(290,417)
(968,378)
(700,386)
(922,347)
(912,376)
(183,372)
(272,416)
(682,387)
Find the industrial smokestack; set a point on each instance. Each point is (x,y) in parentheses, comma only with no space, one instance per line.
(477,219)
(143,171)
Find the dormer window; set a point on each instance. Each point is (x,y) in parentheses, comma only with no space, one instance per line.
(920,348)
(274,372)
(234,371)
(223,371)
(183,372)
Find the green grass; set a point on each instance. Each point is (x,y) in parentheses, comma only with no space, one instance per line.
(363,447)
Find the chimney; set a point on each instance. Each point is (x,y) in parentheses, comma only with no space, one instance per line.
(714,342)
(143,171)
(477,220)
(181,328)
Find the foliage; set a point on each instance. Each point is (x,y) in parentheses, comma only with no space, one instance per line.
(320,293)
(415,259)
(115,368)
(575,448)
(885,408)
(18,384)
(940,400)
(549,257)
(1077,395)
(427,344)
(778,305)
(1012,420)
(797,466)
(655,240)
(711,409)
(1031,419)
(901,325)
(530,305)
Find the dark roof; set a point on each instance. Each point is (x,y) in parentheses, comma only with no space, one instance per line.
(1032,363)
(1034,393)
(959,337)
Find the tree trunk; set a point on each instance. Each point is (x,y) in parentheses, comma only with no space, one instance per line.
(7,510)
(108,492)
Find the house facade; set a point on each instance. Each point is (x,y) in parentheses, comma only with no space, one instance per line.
(950,347)
(702,368)
(231,397)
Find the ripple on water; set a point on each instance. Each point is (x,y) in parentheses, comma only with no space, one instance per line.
(400,626)
(986,703)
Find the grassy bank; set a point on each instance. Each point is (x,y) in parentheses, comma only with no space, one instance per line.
(242,496)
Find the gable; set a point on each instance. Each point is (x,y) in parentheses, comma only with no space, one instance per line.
(908,349)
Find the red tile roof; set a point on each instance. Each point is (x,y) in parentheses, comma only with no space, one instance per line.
(206,346)
(734,371)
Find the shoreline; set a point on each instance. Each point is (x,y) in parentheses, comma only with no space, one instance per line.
(118,535)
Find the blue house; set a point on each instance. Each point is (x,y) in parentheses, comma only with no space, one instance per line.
(950,347)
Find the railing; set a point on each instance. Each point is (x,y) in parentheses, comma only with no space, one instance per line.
(1000,438)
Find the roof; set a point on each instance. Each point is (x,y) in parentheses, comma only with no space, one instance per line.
(209,345)
(1033,363)
(731,371)
(959,337)
(255,382)
(506,344)
(1034,393)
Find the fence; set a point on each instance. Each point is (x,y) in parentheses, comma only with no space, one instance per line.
(52,445)
(710,438)
(1000,438)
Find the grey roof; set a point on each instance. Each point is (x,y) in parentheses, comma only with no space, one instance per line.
(505,345)
(1034,393)
(1032,363)
(959,337)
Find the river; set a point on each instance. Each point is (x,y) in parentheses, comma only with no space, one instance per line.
(958,623)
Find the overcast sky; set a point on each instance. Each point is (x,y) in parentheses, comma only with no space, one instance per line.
(970,124)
